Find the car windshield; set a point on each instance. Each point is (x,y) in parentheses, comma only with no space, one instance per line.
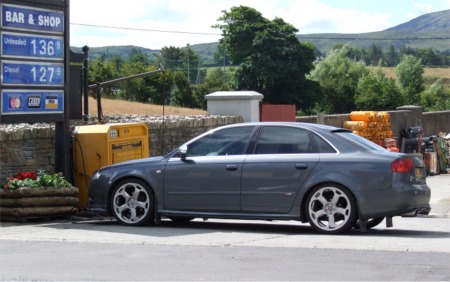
(359,141)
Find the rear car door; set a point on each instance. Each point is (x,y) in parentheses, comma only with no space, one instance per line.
(283,158)
(209,178)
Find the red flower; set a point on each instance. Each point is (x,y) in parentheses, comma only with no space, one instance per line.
(11,178)
(33,175)
(27,174)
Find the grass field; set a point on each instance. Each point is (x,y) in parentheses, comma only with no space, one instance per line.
(430,75)
(112,107)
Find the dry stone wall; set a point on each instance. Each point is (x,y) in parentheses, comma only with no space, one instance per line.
(25,147)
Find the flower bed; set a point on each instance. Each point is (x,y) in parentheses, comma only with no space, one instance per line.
(30,195)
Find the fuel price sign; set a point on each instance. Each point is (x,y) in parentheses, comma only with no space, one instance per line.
(17,45)
(27,73)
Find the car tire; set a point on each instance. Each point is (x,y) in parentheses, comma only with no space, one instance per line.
(330,209)
(132,202)
(371,223)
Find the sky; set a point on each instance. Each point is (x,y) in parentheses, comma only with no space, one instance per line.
(155,24)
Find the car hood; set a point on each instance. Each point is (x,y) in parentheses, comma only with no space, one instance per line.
(143,161)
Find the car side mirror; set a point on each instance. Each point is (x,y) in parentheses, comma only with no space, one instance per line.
(182,152)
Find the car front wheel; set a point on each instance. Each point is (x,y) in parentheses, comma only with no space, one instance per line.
(132,202)
(330,209)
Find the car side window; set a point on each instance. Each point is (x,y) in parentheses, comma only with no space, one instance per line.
(229,141)
(284,140)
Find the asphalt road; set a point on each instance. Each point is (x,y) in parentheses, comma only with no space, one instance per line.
(414,249)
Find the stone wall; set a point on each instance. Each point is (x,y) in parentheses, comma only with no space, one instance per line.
(25,147)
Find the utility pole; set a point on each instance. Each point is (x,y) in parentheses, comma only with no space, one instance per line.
(188,77)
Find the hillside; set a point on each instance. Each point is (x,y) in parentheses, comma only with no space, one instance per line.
(438,22)
(427,31)
(430,30)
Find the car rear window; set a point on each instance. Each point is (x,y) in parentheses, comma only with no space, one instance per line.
(284,140)
(323,146)
(358,141)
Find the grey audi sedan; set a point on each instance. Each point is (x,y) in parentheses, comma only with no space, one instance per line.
(327,176)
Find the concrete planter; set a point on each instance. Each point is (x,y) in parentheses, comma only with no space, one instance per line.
(27,203)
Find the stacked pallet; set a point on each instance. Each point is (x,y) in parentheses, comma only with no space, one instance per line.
(374,126)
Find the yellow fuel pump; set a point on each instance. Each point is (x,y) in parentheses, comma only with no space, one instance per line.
(95,146)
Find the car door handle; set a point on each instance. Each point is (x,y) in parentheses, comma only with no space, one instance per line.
(301,166)
(232,167)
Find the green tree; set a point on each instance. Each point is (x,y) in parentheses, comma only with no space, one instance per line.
(215,81)
(429,57)
(377,93)
(150,88)
(338,77)
(137,56)
(160,87)
(375,54)
(181,60)
(269,56)
(436,98)
(172,58)
(391,56)
(133,89)
(101,70)
(183,95)
(410,78)
(184,66)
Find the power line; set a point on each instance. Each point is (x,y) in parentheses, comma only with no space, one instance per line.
(303,37)
(145,29)
(374,38)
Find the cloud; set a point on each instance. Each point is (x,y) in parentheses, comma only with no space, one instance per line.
(178,22)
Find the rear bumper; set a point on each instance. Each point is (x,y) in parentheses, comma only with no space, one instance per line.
(417,211)
(405,200)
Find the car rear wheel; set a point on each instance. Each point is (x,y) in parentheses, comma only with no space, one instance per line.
(330,209)
(132,202)
(371,223)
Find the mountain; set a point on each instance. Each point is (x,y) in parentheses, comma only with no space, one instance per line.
(122,51)
(430,30)
(438,22)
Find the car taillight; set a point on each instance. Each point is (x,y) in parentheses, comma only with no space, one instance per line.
(402,165)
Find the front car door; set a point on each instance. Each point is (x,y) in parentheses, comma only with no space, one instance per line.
(209,178)
(283,158)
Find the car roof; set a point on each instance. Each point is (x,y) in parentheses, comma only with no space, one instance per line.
(311,126)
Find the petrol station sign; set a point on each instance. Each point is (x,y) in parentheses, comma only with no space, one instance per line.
(33,60)
(28,18)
